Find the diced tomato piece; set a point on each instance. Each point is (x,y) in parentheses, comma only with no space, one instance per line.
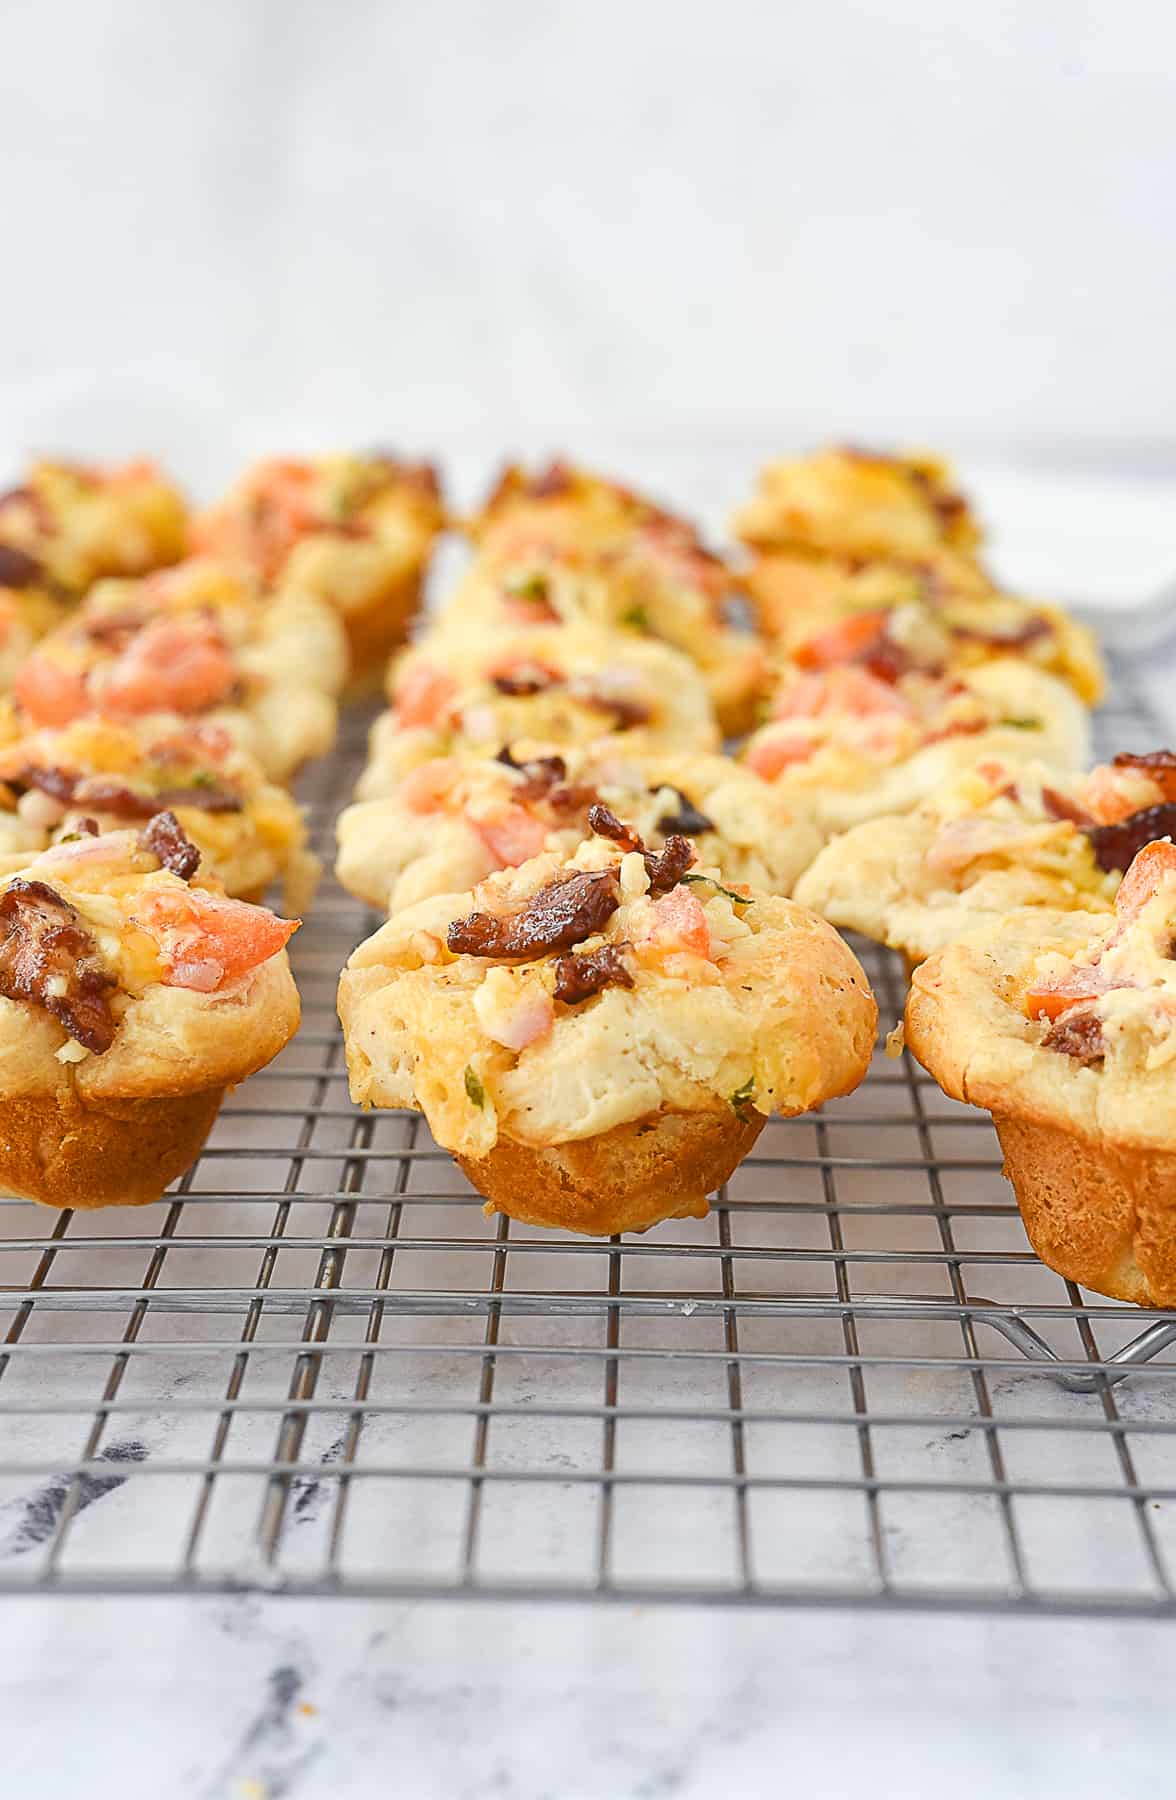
(679,923)
(529,609)
(426,788)
(48,692)
(208,941)
(173,665)
(778,751)
(1076,990)
(851,638)
(511,835)
(423,695)
(840,690)
(1155,864)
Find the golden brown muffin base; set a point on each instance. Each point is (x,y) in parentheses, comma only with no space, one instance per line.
(377,628)
(660,1167)
(62,1152)
(1102,1214)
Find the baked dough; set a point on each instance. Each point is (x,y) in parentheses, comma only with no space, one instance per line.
(473,691)
(861,504)
(450,823)
(250,833)
(1001,836)
(738,1006)
(847,746)
(75,523)
(568,546)
(199,641)
(355,531)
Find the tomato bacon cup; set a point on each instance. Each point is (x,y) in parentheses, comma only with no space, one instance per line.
(1002,835)
(1064,1027)
(599,1040)
(356,531)
(200,643)
(130,999)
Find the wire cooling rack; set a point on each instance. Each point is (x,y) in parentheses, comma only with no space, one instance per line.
(317,1368)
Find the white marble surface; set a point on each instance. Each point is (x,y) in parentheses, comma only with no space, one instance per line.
(268,1700)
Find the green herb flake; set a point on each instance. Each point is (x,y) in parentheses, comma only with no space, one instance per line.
(728,893)
(741,1100)
(636,618)
(531,585)
(1023,724)
(474,1089)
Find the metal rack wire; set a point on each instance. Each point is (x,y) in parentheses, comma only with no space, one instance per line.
(317,1368)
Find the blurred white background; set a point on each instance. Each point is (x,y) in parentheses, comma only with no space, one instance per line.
(723,228)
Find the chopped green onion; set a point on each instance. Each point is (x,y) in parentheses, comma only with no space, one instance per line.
(529,586)
(741,1100)
(474,1088)
(728,893)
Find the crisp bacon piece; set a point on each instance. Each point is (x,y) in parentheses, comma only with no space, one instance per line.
(1077,1034)
(687,821)
(17,568)
(1058,806)
(122,802)
(626,711)
(164,837)
(605,824)
(1019,639)
(667,867)
(43,942)
(523,679)
(578,978)
(1117,846)
(113,630)
(570,798)
(562,914)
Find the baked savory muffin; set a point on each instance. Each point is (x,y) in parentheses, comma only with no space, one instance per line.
(871,559)
(566,546)
(847,745)
(558,684)
(357,531)
(599,1041)
(1063,1025)
(451,822)
(69,524)
(129,1001)
(859,504)
(941,633)
(198,641)
(249,832)
(1001,836)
